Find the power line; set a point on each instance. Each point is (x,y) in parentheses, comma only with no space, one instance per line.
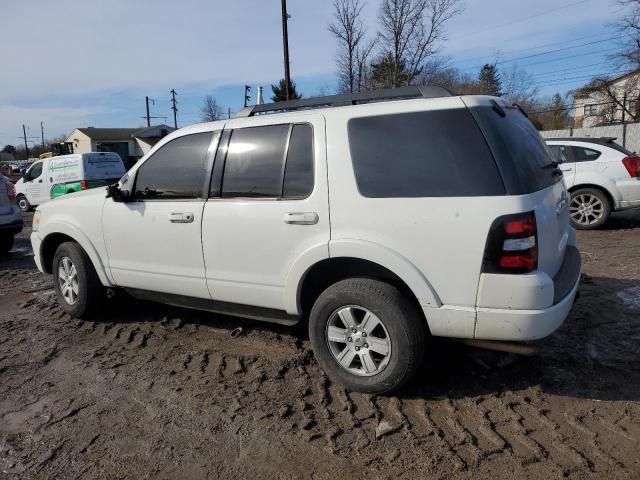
(551,44)
(493,27)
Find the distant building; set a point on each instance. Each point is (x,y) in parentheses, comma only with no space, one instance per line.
(603,105)
(130,143)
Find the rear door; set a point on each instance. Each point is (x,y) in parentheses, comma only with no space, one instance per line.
(268,207)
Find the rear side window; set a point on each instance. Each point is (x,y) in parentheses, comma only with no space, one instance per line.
(176,170)
(422,154)
(583,154)
(298,173)
(274,161)
(525,162)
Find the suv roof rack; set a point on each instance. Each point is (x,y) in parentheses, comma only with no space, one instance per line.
(387,94)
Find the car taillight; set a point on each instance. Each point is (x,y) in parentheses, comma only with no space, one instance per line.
(83,185)
(11,192)
(632,164)
(512,244)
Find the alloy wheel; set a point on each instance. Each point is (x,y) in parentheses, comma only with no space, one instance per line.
(586,209)
(358,340)
(68,280)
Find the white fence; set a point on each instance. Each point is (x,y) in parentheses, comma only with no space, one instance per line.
(627,135)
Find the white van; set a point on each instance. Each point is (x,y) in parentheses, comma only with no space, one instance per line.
(52,177)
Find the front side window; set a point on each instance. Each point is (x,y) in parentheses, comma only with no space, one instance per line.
(35,171)
(583,154)
(175,171)
(422,154)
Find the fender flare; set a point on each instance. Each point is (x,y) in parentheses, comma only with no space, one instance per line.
(363,250)
(586,180)
(84,241)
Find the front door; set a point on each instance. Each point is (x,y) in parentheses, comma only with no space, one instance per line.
(154,241)
(36,187)
(268,207)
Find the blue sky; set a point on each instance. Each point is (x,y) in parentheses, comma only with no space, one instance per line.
(76,63)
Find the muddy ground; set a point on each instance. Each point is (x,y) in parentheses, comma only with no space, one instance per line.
(149,391)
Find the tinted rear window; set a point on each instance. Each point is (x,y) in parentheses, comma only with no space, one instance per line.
(525,162)
(422,154)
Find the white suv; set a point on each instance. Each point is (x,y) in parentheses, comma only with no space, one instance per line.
(601,177)
(381,222)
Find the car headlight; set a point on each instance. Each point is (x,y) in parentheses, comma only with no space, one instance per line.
(36,221)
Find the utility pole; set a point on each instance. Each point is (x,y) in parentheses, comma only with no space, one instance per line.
(229,113)
(174,108)
(26,148)
(247,95)
(285,42)
(148,115)
(42,133)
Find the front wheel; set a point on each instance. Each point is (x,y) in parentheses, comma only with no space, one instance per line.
(23,203)
(76,282)
(589,208)
(367,335)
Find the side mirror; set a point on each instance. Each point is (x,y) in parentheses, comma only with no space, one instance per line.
(118,195)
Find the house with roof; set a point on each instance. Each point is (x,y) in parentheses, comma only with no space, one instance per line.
(130,143)
(608,101)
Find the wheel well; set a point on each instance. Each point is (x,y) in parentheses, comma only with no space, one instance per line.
(327,272)
(612,202)
(48,249)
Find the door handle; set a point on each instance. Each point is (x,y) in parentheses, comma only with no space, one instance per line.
(301,218)
(566,169)
(181,217)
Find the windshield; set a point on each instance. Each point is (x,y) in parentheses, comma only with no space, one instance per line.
(525,161)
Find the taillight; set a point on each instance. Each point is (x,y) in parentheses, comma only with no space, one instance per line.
(83,185)
(512,244)
(11,192)
(632,164)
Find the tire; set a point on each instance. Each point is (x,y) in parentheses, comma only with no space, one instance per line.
(589,208)
(23,203)
(401,329)
(6,243)
(87,293)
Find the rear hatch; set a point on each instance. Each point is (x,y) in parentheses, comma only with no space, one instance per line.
(5,203)
(528,170)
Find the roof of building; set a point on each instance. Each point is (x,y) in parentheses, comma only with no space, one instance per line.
(584,92)
(121,133)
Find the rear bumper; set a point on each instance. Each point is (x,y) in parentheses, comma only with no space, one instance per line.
(12,226)
(629,193)
(532,324)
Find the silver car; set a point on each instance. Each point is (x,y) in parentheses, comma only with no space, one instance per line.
(10,215)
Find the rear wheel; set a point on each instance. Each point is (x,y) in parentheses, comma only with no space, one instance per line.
(6,243)
(76,282)
(589,208)
(367,335)
(23,203)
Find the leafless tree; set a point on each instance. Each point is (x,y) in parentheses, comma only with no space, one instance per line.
(364,57)
(629,28)
(411,32)
(210,110)
(350,33)
(617,101)
(519,86)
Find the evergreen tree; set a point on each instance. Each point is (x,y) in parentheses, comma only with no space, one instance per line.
(280,94)
(384,74)
(489,81)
